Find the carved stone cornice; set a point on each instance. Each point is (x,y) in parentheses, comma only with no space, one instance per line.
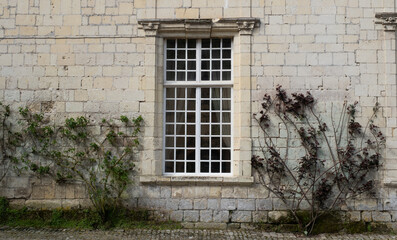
(199,28)
(388,20)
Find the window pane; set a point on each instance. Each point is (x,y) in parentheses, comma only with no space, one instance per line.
(226,53)
(170,43)
(205,43)
(169,154)
(226,129)
(191,54)
(191,43)
(170,92)
(205,167)
(226,93)
(180,142)
(205,65)
(216,43)
(190,142)
(205,129)
(180,104)
(190,154)
(205,76)
(191,117)
(215,129)
(215,142)
(169,117)
(226,167)
(170,105)
(180,129)
(180,167)
(181,65)
(215,154)
(205,117)
(169,166)
(191,105)
(205,54)
(226,117)
(181,76)
(215,92)
(180,117)
(205,93)
(226,155)
(205,154)
(226,142)
(180,154)
(191,129)
(181,54)
(169,141)
(191,76)
(216,76)
(216,53)
(170,65)
(180,92)
(226,105)
(226,64)
(191,93)
(181,43)
(215,167)
(205,142)
(190,167)
(216,105)
(169,129)
(205,105)
(170,76)
(226,75)
(216,64)
(191,65)
(226,43)
(170,54)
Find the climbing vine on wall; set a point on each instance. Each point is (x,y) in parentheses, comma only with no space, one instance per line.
(339,158)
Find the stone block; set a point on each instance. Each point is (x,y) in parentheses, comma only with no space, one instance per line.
(176,216)
(213,204)
(259,216)
(204,225)
(381,216)
(366,216)
(206,216)
(228,204)
(354,216)
(191,216)
(264,204)
(246,204)
(220,216)
(275,216)
(185,204)
(241,216)
(200,204)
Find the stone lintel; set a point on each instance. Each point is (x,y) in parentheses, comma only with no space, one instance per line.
(387,19)
(199,28)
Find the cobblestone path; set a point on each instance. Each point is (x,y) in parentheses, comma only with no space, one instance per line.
(144,234)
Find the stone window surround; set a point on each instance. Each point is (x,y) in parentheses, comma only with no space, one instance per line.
(155,31)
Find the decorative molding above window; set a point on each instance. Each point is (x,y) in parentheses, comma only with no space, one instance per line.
(198,28)
(388,20)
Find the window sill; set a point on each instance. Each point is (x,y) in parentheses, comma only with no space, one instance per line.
(220,181)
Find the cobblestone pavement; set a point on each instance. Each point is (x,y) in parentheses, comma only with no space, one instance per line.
(144,234)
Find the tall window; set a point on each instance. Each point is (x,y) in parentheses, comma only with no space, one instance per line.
(198,106)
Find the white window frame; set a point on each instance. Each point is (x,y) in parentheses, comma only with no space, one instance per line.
(198,84)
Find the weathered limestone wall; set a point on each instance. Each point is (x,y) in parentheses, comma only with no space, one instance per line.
(88,57)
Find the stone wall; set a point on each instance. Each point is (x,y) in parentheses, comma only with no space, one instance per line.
(91,56)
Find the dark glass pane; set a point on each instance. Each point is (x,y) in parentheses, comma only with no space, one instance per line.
(216,105)
(205,43)
(225,129)
(169,129)
(226,75)
(180,93)
(226,155)
(191,105)
(205,76)
(215,129)
(226,117)
(181,76)
(216,76)
(191,76)
(226,93)
(170,105)
(190,167)
(205,129)
(180,142)
(191,117)
(205,54)
(170,43)
(191,43)
(170,65)
(205,93)
(226,64)
(215,142)
(191,92)
(191,129)
(216,43)
(215,117)
(216,53)
(215,167)
(226,167)
(181,54)
(226,105)
(205,117)
(191,142)
(169,154)
(205,154)
(169,141)
(169,166)
(226,53)
(226,142)
(204,167)
(180,104)
(191,65)
(180,129)
(181,43)
(205,104)
(181,65)
(215,154)
(191,54)
(180,167)
(205,65)
(170,93)
(180,154)
(215,92)
(180,117)
(190,154)
(216,64)
(170,54)
(169,117)
(205,142)
(227,43)
(170,76)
